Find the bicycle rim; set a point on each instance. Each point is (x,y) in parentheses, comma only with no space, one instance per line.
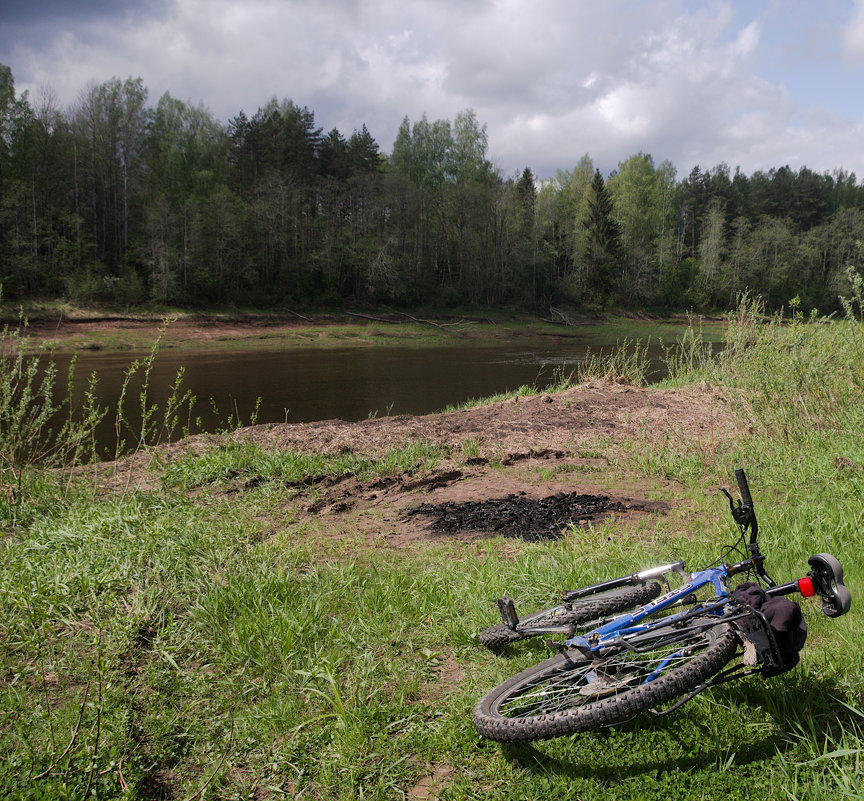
(568,693)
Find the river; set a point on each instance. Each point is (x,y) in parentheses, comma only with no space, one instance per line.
(350,383)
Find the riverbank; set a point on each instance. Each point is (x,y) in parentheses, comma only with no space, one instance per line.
(70,328)
(533,446)
(291,610)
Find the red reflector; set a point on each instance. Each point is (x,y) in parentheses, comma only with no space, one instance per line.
(806,586)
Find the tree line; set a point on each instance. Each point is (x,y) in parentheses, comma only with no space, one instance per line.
(114,200)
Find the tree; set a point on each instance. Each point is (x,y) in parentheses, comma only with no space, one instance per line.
(111,123)
(712,283)
(186,156)
(602,254)
(467,152)
(560,208)
(643,198)
(363,153)
(333,156)
(19,217)
(526,193)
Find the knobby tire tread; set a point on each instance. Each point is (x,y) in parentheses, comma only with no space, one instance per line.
(574,612)
(605,711)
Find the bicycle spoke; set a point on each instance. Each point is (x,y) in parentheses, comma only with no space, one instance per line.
(587,682)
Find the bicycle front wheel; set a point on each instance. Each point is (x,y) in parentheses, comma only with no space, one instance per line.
(568,693)
(572,613)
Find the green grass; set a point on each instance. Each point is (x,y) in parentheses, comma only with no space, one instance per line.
(250,463)
(197,641)
(627,362)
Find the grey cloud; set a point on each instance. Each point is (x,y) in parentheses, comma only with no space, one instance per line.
(550,80)
(56,11)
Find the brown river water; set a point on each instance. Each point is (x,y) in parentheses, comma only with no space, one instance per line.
(303,385)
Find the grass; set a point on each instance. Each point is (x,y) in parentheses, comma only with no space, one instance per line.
(196,642)
(626,363)
(250,463)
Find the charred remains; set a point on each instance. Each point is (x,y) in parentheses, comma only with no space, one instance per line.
(519,516)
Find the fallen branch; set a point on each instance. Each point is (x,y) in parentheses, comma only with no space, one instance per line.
(563,317)
(367,317)
(418,320)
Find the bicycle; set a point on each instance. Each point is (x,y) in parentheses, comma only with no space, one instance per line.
(671,646)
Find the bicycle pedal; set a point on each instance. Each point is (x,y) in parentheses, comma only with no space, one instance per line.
(508,612)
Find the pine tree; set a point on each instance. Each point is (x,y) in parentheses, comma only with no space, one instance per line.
(602,253)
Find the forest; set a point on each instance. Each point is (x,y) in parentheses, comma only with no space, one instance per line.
(116,200)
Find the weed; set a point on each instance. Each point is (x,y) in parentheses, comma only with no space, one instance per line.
(470,448)
(250,463)
(38,428)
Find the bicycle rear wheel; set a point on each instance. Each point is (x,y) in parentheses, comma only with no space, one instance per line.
(568,693)
(572,613)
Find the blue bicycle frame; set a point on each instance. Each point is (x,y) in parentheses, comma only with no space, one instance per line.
(631,622)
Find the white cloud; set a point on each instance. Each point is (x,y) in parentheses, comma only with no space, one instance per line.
(853,38)
(552,79)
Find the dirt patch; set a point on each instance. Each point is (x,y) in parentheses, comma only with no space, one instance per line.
(431,786)
(514,430)
(529,458)
(523,428)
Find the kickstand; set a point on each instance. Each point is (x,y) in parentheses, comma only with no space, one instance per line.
(733,673)
(508,613)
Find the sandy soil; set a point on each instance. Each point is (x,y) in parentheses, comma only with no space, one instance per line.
(528,448)
(194,329)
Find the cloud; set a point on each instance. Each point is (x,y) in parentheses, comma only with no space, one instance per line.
(551,79)
(853,39)
(35,12)
(678,90)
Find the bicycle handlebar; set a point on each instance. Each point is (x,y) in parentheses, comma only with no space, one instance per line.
(743,511)
(743,487)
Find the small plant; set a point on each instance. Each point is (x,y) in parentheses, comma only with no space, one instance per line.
(38,427)
(691,356)
(470,448)
(627,363)
(148,426)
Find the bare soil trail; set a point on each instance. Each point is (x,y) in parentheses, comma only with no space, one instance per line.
(526,468)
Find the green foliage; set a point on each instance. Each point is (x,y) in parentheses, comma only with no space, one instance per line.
(118,201)
(644,198)
(39,426)
(602,254)
(201,638)
(797,377)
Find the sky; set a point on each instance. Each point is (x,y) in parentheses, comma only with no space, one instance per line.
(753,83)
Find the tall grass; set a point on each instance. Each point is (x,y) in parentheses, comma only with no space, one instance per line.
(197,640)
(626,363)
(794,383)
(40,425)
(46,436)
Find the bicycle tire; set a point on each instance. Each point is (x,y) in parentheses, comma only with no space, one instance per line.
(564,695)
(571,613)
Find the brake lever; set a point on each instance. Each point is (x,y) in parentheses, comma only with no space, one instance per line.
(743,515)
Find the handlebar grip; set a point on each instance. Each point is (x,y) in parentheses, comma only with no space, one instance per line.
(743,487)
